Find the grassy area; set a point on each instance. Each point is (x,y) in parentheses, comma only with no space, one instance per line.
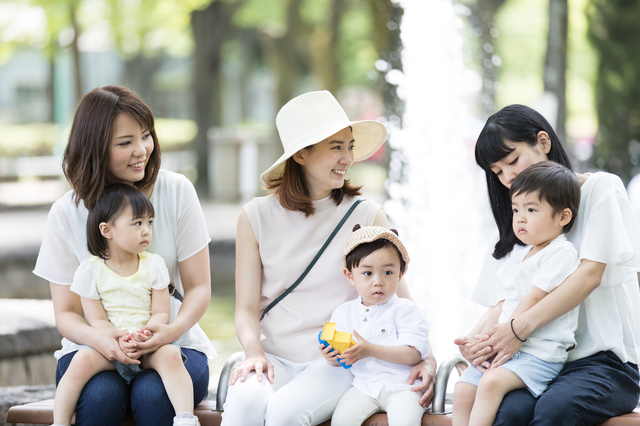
(217,322)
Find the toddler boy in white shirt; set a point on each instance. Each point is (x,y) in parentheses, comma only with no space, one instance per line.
(391,332)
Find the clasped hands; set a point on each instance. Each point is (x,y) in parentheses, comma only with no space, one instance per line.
(490,349)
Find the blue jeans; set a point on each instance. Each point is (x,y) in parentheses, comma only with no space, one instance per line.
(587,391)
(105,398)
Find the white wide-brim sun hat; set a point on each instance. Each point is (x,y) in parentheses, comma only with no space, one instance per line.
(311,118)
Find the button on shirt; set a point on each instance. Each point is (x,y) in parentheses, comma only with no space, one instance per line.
(397,322)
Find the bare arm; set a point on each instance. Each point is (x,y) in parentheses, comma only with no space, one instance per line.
(573,291)
(247,316)
(534,296)
(196,280)
(405,355)
(95,313)
(160,307)
(71,324)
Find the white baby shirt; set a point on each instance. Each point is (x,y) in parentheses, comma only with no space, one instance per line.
(397,322)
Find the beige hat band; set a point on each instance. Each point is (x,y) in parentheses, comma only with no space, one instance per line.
(303,137)
(369,234)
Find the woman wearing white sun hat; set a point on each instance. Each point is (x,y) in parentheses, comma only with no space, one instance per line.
(284,379)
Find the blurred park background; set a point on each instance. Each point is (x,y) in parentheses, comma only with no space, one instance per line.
(215,72)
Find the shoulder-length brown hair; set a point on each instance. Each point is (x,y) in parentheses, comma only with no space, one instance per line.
(85,160)
(293,193)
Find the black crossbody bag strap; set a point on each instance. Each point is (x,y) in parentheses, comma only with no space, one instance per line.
(313,262)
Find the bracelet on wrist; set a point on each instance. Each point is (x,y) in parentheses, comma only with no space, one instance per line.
(514,332)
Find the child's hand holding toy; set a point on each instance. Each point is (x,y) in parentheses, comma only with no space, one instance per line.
(363,349)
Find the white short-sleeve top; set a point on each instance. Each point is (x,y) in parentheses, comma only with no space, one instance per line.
(180,231)
(397,322)
(287,242)
(546,269)
(605,231)
(126,300)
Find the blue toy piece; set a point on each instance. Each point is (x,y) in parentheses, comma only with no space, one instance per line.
(325,343)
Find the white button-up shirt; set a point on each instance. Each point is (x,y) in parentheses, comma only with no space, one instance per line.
(397,322)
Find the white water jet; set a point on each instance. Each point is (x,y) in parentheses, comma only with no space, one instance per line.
(441,205)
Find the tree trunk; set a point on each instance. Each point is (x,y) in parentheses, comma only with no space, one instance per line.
(555,64)
(211,27)
(76,52)
(139,72)
(482,18)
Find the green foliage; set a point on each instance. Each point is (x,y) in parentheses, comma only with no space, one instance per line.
(521,45)
(614,32)
(357,52)
(37,139)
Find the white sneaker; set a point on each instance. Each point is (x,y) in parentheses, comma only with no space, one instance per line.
(182,420)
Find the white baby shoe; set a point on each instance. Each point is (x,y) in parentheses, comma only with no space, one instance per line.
(185,419)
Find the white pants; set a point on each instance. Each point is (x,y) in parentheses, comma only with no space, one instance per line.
(402,408)
(302,394)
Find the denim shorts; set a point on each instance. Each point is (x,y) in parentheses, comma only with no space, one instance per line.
(131,371)
(533,371)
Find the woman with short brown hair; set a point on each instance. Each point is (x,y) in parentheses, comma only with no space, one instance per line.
(113,140)
(277,238)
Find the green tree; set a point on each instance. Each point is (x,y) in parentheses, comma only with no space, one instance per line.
(555,64)
(614,32)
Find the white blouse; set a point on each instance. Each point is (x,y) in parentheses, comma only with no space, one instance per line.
(180,231)
(397,322)
(605,231)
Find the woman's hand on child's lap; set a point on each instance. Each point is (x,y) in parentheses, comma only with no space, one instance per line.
(259,364)
(329,354)
(427,375)
(361,350)
(466,347)
(106,342)
(160,336)
(498,343)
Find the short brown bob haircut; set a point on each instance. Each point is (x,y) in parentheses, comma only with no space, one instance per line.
(114,201)
(554,183)
(85,162)
(293,193)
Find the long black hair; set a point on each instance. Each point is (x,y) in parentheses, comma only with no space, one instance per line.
(513,123)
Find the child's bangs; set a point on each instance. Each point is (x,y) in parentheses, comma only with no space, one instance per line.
(491,146)
(140,205)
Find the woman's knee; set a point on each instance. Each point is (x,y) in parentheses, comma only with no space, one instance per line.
(250,393)
(247,402)
(517,408)
(103,400)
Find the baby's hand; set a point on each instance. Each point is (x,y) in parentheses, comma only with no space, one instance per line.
(361,350)
(129,346)
(141,335)
(329,354)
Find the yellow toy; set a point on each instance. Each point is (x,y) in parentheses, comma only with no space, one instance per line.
(339,340)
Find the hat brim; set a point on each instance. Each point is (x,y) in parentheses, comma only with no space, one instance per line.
(369,135)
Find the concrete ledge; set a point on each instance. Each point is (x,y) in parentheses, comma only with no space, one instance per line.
(18,395)
(28,338)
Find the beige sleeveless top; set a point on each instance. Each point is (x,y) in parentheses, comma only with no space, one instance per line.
(287,243)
